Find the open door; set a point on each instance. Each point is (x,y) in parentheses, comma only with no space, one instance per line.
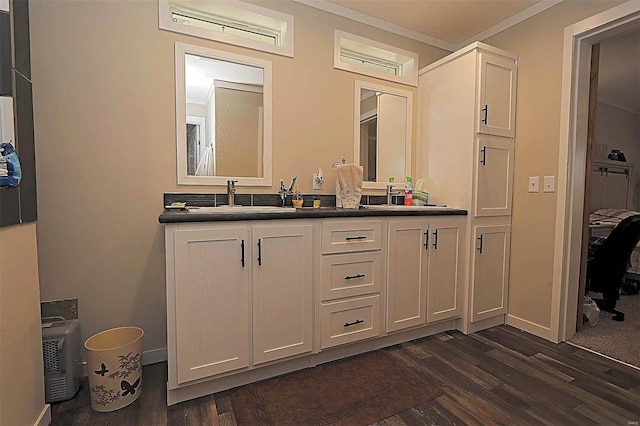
(593,100)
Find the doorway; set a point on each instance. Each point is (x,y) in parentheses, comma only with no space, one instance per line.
(579,39)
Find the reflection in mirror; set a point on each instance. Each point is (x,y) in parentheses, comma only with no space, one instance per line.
(382,128)
(6,119)
(223,117)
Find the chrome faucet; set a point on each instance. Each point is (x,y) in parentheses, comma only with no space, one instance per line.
(231,192)
(284,191)
(390,193)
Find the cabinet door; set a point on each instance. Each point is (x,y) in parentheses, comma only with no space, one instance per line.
(490,274)
(494,176)
(282,291)
(212,302)
(407,274)
(497,100)
(616,186)
(444,280)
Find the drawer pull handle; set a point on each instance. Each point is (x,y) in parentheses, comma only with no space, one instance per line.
(352,277)
(349,324)
(259,253)
(361,237)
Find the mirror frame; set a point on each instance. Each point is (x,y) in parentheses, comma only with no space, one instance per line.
(182,49)
(359,85)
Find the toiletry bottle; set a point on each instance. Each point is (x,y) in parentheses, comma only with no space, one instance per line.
(408,192)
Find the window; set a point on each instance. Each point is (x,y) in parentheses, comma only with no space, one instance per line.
(363,56)
(229,21)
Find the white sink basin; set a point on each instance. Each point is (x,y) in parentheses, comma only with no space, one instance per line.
(400,208)
(240,209)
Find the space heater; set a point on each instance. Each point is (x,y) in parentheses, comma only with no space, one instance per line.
(62,350)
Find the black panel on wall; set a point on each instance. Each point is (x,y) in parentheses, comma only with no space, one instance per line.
(19,205)
(5,55)
(9,206)
(26,149)
(21,36)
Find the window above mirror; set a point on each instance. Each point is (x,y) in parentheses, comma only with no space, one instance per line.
(382,133)
(229,21)
(223,117)
(368,57)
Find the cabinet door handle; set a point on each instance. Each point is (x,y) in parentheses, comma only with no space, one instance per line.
(435,239)
(426,239)
(360,237)
(349,324)
(242,258)
(485,110)
(259,253)
(353,277)
(483,160)
(480,246)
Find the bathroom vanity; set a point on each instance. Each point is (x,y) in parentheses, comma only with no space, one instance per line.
(255,293)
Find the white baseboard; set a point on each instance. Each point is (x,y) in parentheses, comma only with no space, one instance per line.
(154,355)
(529,327)
(44,419)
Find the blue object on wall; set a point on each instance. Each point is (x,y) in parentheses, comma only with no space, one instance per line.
(10,171)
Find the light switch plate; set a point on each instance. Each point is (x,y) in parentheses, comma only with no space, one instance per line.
(549,184)
(534,184)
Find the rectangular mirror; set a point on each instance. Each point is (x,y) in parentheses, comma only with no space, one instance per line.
(382,133)
(223,117)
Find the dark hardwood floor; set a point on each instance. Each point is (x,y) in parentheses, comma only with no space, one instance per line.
(497,376)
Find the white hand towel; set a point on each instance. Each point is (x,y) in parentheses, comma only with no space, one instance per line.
(348,186)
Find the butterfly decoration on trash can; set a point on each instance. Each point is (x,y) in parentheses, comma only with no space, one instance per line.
(129,388)
(103,370)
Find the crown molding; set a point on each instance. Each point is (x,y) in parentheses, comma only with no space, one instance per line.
(363,18)
(511,21)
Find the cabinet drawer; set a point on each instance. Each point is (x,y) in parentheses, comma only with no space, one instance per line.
(350,320)
(348,275)
(344,237)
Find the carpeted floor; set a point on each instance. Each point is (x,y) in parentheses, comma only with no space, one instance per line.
(619,340)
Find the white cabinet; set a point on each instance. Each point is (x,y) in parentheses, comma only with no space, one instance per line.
(610,185)
(423,272)
(489,287)
(407,274)
(211,302)
(445,273)
(248,300)
(466,156)
(497,95)
(282,291)
(222,279)
(494,176)
(350,281)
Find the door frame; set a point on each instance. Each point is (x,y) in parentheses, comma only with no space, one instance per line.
(572,162)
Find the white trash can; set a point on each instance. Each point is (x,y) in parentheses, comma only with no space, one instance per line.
(114,361)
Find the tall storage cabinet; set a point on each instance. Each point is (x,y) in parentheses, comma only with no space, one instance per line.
(465,154)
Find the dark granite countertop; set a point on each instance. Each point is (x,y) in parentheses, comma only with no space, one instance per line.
(177,216)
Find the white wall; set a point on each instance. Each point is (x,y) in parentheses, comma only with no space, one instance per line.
(620,129)
(21,365)
(104,107)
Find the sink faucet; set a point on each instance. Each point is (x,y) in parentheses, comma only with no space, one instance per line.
(231,192)
(284,191)
(390,193)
